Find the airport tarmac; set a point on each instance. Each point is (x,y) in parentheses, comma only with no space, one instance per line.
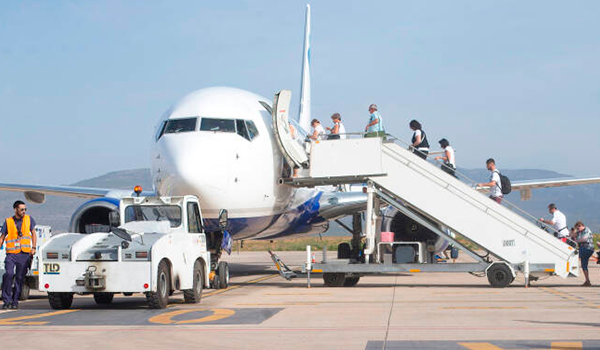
(260,309)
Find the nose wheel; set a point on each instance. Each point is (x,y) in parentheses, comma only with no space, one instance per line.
(220,279)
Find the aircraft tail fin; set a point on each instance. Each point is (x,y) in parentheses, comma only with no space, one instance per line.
(304,115)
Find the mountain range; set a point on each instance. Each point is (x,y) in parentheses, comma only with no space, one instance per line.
(577,202)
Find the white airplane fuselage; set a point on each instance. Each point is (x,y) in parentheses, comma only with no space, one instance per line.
(226,167)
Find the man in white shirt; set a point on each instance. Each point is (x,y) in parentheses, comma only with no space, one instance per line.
(559,221)
(494,184)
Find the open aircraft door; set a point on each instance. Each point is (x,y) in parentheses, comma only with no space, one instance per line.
(292,150)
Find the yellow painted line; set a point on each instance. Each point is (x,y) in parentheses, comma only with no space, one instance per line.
(317,271)
(549,270)
(566,346)
(414,270)
(18,320)
(570,297)
(167,318)
(482,307)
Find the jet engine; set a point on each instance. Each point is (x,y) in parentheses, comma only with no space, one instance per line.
(92,216)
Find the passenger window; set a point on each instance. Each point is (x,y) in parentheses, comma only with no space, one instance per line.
(252,130)
(219,125)
(193,214)
(175,126)
(241,129)
(161,130)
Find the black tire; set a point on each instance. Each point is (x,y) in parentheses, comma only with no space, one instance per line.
(160,298)
(351,281)
(344,251)
(334,279)
(25,289)
(60,301)
(499,276)
(194,295)
(223,273)
(103,298)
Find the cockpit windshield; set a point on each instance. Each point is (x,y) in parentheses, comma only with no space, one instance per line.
(217,125)
(180,125)
(172,213)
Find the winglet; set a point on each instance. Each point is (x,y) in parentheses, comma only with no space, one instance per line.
(304,115)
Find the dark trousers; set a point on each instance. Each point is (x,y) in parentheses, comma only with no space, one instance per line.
(16,268)
(421,153)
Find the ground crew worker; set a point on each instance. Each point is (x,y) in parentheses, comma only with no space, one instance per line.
(18,232)
(558,221)
(375,126)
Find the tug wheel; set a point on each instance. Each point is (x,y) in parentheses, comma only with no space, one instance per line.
(160,298)
(103,298)
(193,296)
(60,301)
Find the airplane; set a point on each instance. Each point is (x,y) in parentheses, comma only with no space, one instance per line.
(218,143)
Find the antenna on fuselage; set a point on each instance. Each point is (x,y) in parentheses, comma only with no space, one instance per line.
(304,115)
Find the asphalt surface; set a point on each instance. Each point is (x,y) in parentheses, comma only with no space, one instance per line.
(261,309)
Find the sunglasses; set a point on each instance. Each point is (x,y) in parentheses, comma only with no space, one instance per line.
(23,209)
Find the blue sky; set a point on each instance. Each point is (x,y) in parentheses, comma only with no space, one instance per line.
(82,83)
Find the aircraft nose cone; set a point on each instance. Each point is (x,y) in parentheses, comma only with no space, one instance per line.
(194,166)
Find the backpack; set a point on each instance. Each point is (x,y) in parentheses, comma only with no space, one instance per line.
(505,184)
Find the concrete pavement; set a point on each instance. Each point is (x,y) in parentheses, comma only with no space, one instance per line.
(261,309)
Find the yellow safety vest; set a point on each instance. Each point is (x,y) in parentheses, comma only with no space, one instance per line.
(14,243)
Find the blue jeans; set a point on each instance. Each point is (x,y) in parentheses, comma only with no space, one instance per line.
(16,268)
(584,254)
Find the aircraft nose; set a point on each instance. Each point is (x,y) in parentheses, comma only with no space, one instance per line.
(195,166)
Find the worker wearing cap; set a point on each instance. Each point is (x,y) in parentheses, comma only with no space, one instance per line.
(18,232)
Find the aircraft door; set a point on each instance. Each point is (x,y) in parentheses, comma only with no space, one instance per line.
(292,151)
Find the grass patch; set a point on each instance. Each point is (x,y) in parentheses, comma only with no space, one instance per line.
(291,244)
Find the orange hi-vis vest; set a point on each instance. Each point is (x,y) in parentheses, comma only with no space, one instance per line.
(15,242)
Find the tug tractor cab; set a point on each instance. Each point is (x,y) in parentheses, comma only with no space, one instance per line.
(155,246)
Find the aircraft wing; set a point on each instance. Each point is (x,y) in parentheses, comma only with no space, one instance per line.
(37,193)
(524,187)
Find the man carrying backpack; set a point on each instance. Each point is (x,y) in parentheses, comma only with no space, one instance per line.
(495,183)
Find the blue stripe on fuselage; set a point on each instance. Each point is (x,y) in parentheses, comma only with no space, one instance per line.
(299,220)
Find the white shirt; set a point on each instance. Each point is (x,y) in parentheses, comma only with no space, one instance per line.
(496,191)
(342,131)
(320,132)
(560,223)
(451,159)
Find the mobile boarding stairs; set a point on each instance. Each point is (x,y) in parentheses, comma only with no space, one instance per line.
(425,193)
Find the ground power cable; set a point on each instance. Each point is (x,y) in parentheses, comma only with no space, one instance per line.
(387,329)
